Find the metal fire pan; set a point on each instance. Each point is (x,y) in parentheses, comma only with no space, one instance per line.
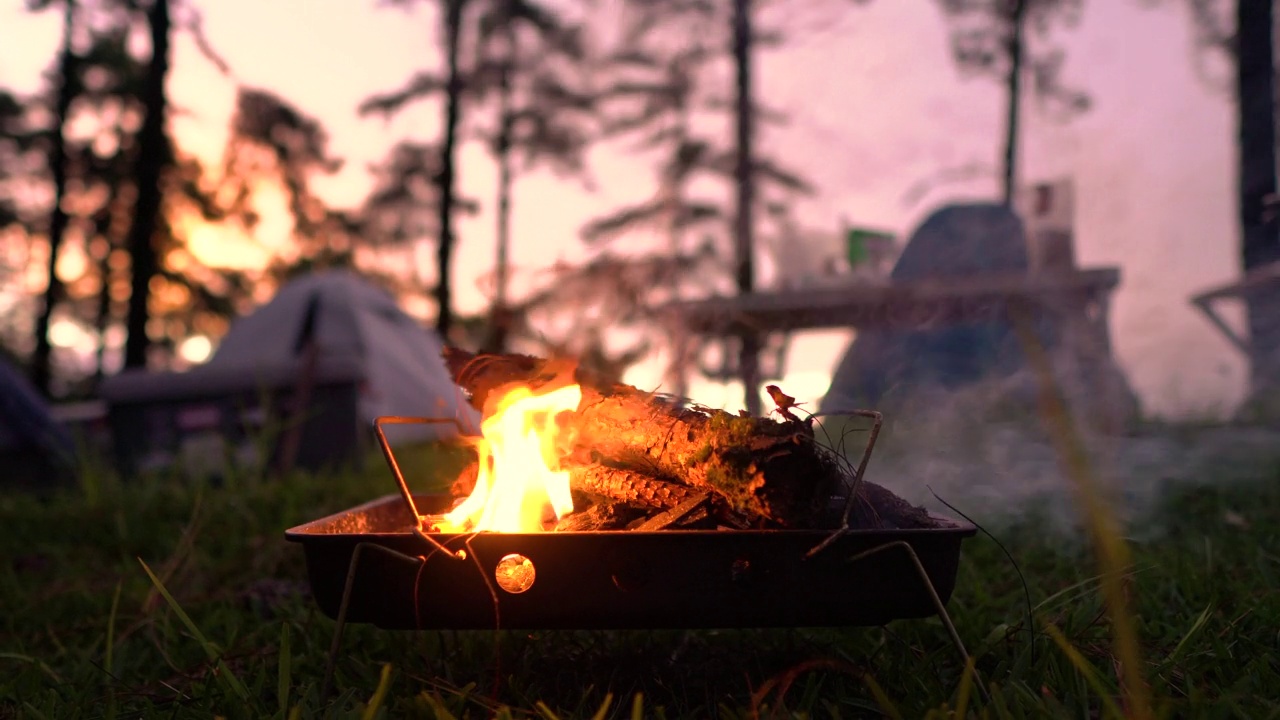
(624,579)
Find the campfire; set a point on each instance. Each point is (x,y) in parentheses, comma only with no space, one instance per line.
(596,505)
(560,451)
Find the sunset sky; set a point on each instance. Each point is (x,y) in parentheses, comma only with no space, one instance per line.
(876,107)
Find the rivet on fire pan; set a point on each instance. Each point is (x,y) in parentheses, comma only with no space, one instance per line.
(515,573)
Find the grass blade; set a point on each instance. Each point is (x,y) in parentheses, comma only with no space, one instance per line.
(1109,546)
(34,661)
(209,649)
(966,685)
(881,697)
(379,695)
(1191,632)
(1086,669)
(603,712)
(637,707)
(284,673)
(111,629)
(110,653)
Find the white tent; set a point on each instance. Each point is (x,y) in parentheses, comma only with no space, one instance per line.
(346,317)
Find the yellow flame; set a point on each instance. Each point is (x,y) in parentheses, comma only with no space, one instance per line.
(516,485)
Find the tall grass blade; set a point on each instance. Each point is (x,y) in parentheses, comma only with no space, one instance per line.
(436,703)
(1111,549)
(1086,669)
(545,711)
(637,707)
(34,661)
(603,712)
(111,629)
(110,652)
(1191,632)
(284,680)
(210,649)
(966,685)
(379,695)
(887,706)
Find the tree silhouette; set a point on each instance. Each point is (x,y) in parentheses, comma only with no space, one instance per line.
(453,85)
(1249,43)
(102,160)
(66,67)
(154,156)
(657,94)
(543,114)
(403,207)
(998,38)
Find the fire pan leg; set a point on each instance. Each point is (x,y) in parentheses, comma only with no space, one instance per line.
(938,605)
(341,620)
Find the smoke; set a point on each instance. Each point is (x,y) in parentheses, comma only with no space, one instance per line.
(987,451)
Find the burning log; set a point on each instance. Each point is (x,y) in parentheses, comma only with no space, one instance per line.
(772,473)
(628,488)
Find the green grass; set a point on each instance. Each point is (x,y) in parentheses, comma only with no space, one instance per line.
(226,626)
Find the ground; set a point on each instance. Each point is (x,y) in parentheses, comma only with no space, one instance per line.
(87,633)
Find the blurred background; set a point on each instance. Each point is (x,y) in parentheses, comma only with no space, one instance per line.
(548,177)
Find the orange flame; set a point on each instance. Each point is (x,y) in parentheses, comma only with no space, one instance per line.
(516,485)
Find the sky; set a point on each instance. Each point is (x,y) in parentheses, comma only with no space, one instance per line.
(876,108)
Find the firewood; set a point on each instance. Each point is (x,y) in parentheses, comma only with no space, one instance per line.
(769,471)
(629,488)
(675,514)
(595,517)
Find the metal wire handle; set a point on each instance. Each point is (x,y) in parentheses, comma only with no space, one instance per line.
(877,420)
(391,455)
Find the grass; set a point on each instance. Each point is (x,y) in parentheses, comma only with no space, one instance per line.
(159,598)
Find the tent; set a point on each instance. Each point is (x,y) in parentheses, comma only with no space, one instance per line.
(962,240)
(328,354)
(34,449)
(338,314)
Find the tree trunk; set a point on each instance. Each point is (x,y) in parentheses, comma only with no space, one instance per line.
(673,189)
(452,111)
(498,318)
(1013,112)
(42,359)
(153,157)
(749,357)
(1260,228)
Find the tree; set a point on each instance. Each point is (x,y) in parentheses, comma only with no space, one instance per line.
(453,87)
(1249,43)
(154,156)
(1259,225)
(41,358)
(535,99)
(542,115)
(403,207)
(659,92)
(999,38)
(102,156)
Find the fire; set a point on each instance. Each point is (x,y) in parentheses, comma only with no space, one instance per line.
(516,483)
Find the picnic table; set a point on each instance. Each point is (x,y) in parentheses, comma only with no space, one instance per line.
(1259,287)
(1079,299)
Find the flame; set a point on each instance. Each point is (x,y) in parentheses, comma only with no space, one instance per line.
(516,484)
